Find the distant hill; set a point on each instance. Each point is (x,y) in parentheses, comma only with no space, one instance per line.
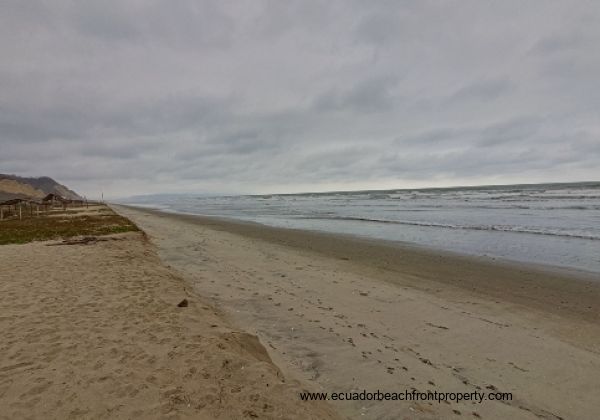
(12,186)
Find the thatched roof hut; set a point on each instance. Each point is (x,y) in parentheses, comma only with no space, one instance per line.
(53,198)
(12,202)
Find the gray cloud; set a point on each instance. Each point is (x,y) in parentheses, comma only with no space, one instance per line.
(557,43)
(139,97)
(375,95)
(481,91)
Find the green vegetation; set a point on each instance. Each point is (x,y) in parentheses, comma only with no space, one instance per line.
(63,225)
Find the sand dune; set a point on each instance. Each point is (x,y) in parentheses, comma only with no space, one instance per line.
(94,331)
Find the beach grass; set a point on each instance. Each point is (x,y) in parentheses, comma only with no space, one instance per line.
(64,225)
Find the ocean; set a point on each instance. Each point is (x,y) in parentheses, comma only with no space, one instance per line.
(549,224)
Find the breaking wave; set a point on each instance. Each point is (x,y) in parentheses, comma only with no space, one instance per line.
(497,228)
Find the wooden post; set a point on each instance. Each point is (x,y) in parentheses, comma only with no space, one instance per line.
(20,215)
(1,213)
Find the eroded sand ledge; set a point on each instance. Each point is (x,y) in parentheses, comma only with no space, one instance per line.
(349,314)
(94,331)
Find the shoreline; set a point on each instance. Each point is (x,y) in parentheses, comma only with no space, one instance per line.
(565,271)
(347,315)
(571,292)
(542,226)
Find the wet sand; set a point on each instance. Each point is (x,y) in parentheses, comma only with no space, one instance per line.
(352,314)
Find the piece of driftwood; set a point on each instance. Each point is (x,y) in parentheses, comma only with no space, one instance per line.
(86,240)
(80,241)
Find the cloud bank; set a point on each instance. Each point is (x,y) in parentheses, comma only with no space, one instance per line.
(132,97)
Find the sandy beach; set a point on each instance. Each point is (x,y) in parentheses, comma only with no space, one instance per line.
(379,210)
(92,329)
(346,314)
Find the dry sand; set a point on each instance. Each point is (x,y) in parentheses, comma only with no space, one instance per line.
(94,331)
(349,314)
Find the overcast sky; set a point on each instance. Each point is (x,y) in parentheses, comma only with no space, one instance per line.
(133,97)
